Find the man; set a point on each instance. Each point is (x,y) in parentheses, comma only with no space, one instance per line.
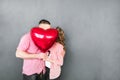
(33,65)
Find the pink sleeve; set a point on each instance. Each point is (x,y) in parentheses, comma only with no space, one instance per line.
(24,43)
(60,57)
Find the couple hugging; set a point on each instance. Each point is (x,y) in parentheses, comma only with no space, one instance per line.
(38,65)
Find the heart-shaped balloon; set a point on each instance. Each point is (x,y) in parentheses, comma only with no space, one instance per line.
(44,39)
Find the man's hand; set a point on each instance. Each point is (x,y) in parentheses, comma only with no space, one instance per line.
(50,60)
(42,56)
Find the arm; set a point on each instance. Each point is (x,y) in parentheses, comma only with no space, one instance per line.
(22,48)
(25,55)
(60,58)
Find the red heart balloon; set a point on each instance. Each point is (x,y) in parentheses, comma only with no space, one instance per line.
(44,39)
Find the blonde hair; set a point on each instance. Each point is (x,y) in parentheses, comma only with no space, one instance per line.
(61,36)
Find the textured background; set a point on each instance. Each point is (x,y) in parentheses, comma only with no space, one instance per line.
(92,30)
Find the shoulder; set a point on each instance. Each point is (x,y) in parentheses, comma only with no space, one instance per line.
(58,45)
(25,37)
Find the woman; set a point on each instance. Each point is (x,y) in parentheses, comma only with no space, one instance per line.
(55,57)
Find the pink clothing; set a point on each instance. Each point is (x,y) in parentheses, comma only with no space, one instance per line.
(30,66)
(56,52)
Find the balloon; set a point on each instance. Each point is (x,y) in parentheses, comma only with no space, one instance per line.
(44,39)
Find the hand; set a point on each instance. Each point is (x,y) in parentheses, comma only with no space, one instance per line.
(47,54)
(45,57)
(42,56)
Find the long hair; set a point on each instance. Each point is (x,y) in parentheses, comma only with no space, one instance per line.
(61,37)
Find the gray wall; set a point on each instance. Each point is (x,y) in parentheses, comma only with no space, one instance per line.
(92,30)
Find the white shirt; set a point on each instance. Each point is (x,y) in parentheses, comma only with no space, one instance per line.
(47,63)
